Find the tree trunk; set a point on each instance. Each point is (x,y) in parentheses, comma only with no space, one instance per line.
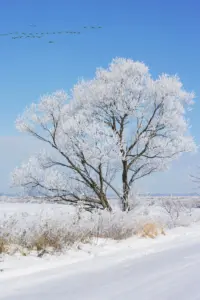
(105,202)
(102,195)
(125,204)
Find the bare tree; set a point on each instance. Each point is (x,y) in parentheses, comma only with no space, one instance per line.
(173,208)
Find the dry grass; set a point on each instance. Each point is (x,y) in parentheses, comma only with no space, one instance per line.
(150,230)
(3,245)
(56,241)
(51,237)
(47,237)
(55,229)
(51,233)
(53,240)
(115,233)
(60,239)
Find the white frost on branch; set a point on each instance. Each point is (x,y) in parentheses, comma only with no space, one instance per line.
(121,121)
(153,110)
(41,175)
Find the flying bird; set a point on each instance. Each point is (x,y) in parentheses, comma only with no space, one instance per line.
(20,35)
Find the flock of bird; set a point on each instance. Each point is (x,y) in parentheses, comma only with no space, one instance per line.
(39,35)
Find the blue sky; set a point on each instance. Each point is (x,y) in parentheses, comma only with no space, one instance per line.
(163,34)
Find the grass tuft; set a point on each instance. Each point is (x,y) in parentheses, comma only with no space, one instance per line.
(151,230)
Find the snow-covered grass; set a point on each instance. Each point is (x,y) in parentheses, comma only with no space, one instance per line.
(55,228)
(28,227)
(32,233)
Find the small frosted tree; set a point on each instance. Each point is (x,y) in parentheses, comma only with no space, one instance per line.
(121,123)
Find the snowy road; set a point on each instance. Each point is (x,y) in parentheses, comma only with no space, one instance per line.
(167,275)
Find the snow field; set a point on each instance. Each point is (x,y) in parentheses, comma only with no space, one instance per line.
(35,236)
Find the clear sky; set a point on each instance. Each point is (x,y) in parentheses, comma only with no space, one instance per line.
(163,34)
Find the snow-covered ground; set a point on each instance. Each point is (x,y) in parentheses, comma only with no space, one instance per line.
(164,268)
(123,268)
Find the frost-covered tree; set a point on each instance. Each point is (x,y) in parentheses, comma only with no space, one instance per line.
(121,122)
(147,116)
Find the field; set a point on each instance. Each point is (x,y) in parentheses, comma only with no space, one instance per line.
(35,237)
(28,226)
